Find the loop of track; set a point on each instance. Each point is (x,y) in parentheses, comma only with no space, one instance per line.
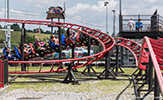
(104,39)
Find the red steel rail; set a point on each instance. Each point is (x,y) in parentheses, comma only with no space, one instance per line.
(104,39)
(155,56)
(132,46)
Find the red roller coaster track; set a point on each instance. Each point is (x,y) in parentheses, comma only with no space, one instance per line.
(105,40)
(139,52)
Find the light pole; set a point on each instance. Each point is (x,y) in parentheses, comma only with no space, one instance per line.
(105,4)
(113,23)
(120,17)
(7,9)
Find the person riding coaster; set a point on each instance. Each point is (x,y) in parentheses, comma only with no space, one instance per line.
(11,54)
(28,51)
(54,42)
(40,48)
(72,38)
(84,38)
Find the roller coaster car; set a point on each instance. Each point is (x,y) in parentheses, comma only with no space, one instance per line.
(11,55)
(94,41)
(41,48)
(29,51)
(71,41)
(84,39)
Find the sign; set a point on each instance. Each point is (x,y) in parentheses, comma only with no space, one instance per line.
(55,12)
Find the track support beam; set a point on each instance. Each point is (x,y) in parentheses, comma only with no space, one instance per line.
(23,66)
(70,77)
(89,67)
(108,72)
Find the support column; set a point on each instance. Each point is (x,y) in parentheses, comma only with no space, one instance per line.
(150,73)
(70,75)
(156,89)
(60,46)
(117,67)
(23,67)
(117,60)
(89,67)
(108,72)
(51,28)
(121,56)
(73,52)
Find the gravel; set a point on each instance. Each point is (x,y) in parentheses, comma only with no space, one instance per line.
(69,92)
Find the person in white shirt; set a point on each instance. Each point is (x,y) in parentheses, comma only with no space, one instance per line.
(131,24)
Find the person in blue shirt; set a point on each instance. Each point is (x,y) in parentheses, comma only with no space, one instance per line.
(139,25)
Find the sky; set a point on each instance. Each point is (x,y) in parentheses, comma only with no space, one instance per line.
(90,13)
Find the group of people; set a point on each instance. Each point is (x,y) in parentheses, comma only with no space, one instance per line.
(53,42)
(138,24)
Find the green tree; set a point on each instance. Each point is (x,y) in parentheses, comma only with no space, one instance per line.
(47,32)
(15,27)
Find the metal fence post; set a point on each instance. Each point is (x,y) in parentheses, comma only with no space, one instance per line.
(5,71)
(156,89)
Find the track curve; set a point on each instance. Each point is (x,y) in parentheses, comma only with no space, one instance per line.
(104,39)
(132,46)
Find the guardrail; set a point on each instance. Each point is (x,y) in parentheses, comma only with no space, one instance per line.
(150,22)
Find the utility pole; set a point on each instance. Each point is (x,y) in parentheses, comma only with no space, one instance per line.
(113,23)
(105,4)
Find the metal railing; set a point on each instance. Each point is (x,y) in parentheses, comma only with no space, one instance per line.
(149,21)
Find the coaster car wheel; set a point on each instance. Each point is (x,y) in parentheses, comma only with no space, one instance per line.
(64,46)
(57,49)
(41,53)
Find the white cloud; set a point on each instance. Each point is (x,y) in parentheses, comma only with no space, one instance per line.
(152,1)
(79,11)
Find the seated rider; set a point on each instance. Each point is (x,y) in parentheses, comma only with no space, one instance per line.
(54,39)
(74,36)
(27,49)
(40,44)
(8,52)
(71,34)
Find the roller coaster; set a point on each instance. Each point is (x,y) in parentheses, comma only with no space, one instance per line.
(147,56)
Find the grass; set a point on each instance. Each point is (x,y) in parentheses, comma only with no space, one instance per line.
(88,84)
(101,84)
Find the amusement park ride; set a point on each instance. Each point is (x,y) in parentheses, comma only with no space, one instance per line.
(147,56)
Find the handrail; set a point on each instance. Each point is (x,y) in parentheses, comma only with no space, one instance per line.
(154,61)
